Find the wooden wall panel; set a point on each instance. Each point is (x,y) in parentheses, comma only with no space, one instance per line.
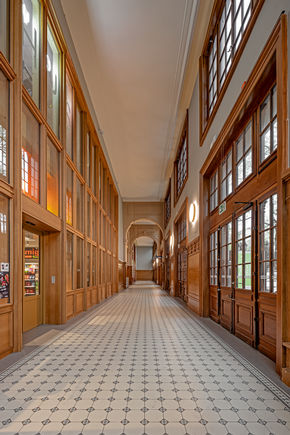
(79,302)
(144,275)
(69,306)
(6,331)
(121,275)
(193,275)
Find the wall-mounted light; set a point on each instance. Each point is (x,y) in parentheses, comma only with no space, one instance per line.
(171,243)
(193,212)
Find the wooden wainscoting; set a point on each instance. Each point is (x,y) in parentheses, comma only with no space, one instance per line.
(74,303)
(193,253)
(144,275)
(6,330)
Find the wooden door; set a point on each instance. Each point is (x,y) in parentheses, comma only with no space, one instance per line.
(244,294)
(226,305)
(267,275)
(32,291)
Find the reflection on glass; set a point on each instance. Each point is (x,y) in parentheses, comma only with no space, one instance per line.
(79,271)
(268,125)
(4,119)
(69,196)
(88,265)
(80,206)
(30,155)
(69,118)
(53,81)
(69,261)
(31,264)
(52,178)
(31,47)
(79,144)
(4,27)
(4,250)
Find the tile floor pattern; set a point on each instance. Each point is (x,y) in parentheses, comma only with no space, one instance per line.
(137,364)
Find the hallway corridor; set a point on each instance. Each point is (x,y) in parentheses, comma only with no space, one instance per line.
(139,364)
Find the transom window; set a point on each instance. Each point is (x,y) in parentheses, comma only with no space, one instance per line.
(227,29)
(213,197)
(244,160)
(268,245)
(226,255)
(268,125)
(243,240)
(181,163)
(168,204)
(213,258)
(226,176)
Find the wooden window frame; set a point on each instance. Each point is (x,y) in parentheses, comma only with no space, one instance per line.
(215,191)
(273,152)
(215,233)
(206,118)
(182,140)
(229,173)
(227,263)
(243,214)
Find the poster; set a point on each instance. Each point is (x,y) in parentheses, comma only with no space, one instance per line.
(4,285)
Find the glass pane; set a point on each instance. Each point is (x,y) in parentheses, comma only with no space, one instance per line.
(224,189)
(262,278)
(248,277)
(88,265)
(265,144)
(30,155)
(274,209)
(94,169)
(239,278)
(94,266)
(31,264)
(79,283)
(239,148)
(239,252)
(31,47)
(53,81)
(69,196)
(223,235)
(274,276)
(79,145)
(69,261)
(52,179)
(248,136)
(4,27)
(274,101)
(248,223)
(69,118)
(248,163)
(239,224)
(88,173)
(265,214)
(229,184)
(275,138)
(274,243)
(79,206)
(4,124)
(267,274)
(89,215)
(265,245)
(94,221)
(4,250)
(265,113)
(240,172)
(229,276)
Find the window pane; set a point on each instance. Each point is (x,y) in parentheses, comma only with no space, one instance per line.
(265,113)
(88,265)
(4,249)
(31,264)
(31,47)
(94,169)
(79,145)
(4,27)
(53,81)
(274,101)
(80,206)
(88,173)
(266,144)
(69,261)
(69,118)
(248,163)
(94,266)
(69,196)
(30,155)
(89,215)
(79,283)
(52,178)
(4,124)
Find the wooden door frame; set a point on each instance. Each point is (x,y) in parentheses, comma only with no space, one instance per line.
(39,233)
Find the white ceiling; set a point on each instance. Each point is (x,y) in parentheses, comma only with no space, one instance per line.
(133,54)
(144,241)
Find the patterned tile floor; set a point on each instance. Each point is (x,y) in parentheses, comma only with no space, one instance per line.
(139,364)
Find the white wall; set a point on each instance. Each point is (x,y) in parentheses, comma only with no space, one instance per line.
(264,25)
(144,257)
